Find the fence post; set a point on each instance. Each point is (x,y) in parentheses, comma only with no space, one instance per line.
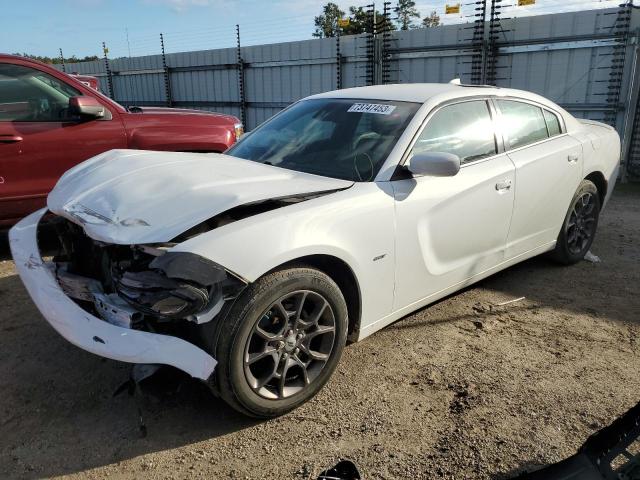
(621,38)
(167,78)
(478,44)
(105,50)
(492,51)
(338,58)
(385,54)
(64,68)
(240,63)
(370,68)
(630,149)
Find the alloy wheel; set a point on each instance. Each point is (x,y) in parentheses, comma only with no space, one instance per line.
(581,224)
(289,345)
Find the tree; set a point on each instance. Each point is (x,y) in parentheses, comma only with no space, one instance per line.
(360,21)
(433,20)
(406,11)
(57,60)
(327,23)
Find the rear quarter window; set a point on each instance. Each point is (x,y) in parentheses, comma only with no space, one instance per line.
(553,124)
(523,123)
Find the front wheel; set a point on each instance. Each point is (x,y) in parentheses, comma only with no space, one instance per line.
(280,342)
(579,227)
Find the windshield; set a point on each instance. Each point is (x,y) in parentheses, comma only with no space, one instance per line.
(339,138)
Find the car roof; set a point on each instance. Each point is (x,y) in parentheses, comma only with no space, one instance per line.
(423,92)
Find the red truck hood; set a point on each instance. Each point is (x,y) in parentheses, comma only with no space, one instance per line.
(177,111)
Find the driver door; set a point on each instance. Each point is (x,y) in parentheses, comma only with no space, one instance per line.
(39,141)
(450,229)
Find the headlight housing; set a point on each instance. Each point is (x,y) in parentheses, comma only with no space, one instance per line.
(155,294)
(176,285)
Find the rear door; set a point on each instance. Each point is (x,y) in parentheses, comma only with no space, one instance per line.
(450,229)
(39,140)
(548,170)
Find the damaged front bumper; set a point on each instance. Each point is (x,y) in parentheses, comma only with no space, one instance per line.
(90,332)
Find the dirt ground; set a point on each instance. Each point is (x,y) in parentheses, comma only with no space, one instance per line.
(461,389)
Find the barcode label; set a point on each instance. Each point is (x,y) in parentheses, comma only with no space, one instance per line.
(378,108)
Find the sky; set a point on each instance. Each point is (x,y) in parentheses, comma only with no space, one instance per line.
(132,27)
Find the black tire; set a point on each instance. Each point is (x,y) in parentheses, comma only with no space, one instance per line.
(579,226)
(236,336)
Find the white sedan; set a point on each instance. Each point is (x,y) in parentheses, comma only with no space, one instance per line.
(341,214)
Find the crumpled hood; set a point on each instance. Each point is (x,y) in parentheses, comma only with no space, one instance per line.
(134,196)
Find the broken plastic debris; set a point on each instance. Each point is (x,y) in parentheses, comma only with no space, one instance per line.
(510,301)
(590,257)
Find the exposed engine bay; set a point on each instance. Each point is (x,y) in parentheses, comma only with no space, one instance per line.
(149,287)
(142,287)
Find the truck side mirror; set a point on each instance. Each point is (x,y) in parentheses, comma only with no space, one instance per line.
(87,107)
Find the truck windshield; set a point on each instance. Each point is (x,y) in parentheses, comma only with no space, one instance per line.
(339,138)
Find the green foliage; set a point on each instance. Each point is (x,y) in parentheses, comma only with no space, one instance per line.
(57,60)
(405,12)
(359,21)
(433,20)
(327,23)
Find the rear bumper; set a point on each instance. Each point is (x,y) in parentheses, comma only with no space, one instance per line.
(87,331)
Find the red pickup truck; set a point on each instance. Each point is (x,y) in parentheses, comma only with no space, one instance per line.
(50,121)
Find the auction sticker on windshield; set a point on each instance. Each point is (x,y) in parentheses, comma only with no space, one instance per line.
(372,108)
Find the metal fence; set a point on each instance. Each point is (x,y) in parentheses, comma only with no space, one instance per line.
(585,61)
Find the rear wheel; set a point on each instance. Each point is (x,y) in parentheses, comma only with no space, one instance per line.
(280,342)
(579,227)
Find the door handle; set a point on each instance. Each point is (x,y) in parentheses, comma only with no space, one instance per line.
(503,186)
(10,138)
(572,158)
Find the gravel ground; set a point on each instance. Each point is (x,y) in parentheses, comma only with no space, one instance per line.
(461,389)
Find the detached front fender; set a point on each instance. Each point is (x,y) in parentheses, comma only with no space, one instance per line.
(355,225)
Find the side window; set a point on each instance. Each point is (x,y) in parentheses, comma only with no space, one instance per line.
(522,122)
(464,129)
(29,95)
(553,124)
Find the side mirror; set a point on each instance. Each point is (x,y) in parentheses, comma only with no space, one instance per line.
(434,164)
(86,106)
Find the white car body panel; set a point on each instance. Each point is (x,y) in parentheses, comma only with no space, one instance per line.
(369,328)
(435,252)
(333,225)
(135,196)
(543,172)
(408,242)
(601,151)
